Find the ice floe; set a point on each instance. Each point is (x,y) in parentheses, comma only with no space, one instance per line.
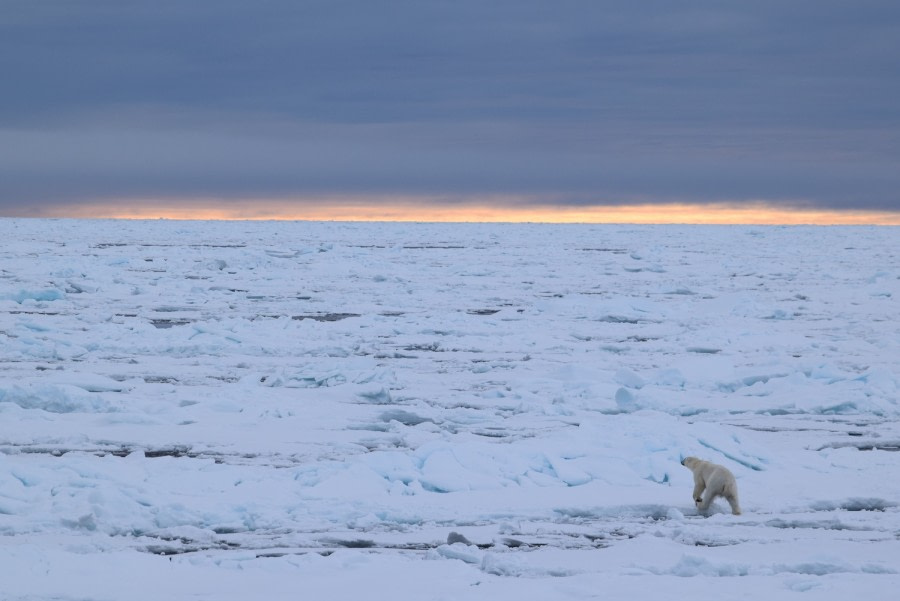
(407,411)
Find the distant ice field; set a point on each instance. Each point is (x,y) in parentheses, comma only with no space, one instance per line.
(283,410)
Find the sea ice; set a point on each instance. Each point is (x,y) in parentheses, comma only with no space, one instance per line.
(223,410)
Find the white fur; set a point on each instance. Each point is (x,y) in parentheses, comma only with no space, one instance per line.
(717,480)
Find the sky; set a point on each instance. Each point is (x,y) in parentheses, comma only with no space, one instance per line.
(450,109)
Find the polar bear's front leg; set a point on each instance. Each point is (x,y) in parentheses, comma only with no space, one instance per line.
(703,504)
(699,485)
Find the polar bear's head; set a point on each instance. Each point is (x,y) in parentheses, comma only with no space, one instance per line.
(690,462)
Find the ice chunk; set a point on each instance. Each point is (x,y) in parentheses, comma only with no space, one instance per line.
(689,566)
(456,537)
(628,378)
(625,400)
(466,553)
(55,398)
(44,294)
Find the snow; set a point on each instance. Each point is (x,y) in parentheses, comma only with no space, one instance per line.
(234,410)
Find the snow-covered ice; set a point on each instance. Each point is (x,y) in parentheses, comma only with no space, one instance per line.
(247,410)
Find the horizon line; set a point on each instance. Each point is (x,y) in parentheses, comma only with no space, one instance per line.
(720,213)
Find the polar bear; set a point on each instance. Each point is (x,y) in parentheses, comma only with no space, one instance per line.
(716,479)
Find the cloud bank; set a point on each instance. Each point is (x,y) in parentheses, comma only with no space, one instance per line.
(571,103)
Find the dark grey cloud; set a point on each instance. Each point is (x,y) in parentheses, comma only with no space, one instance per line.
(581,102)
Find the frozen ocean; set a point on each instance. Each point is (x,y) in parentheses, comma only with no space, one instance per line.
(408,411)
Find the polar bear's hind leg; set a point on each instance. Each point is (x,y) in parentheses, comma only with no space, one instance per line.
(731,496)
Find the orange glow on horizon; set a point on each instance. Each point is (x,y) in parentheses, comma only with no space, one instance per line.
(758,213)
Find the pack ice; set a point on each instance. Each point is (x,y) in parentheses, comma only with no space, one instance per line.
(238,410)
